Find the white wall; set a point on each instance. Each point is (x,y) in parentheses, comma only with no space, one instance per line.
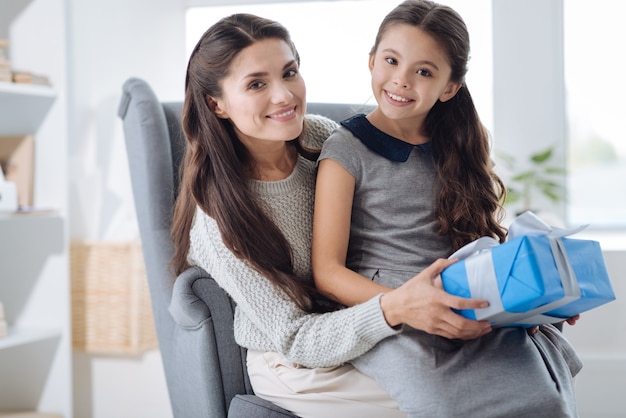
(600,339)
(108,42)
(528,82)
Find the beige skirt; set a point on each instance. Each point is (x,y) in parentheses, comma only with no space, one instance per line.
(340,391)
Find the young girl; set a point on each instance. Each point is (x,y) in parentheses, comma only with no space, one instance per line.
(410,182)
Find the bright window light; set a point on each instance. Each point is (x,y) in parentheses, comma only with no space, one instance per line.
(594,67)
(334,39)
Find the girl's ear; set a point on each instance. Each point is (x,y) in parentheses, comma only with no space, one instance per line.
(450,91)
(371,62)
(214,106)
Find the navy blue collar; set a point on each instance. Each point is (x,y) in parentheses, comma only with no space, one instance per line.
(393,149)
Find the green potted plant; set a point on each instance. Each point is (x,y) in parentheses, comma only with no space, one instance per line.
(538,177)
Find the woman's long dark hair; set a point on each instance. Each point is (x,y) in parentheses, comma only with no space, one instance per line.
(216,164)
(469,204)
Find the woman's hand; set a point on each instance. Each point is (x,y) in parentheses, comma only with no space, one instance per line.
(423,304)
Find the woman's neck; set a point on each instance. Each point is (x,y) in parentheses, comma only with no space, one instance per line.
(274,163)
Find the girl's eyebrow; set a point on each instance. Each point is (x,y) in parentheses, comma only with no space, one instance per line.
(265,73)
(422,62)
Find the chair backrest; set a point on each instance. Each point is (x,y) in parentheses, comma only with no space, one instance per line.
(155,146)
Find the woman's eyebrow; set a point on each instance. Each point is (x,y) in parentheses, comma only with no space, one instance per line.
(265,73)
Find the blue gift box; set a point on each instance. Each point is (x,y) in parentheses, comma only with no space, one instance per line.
(531,280)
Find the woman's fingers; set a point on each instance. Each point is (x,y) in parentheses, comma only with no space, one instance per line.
(428,307)
(462,328)
(457,302)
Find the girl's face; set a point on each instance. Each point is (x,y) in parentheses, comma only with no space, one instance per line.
(264,95)
(410,72)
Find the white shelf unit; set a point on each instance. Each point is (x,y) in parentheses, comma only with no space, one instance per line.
(18,100)
(23,336)
(36,355)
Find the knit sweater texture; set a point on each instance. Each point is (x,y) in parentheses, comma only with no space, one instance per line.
(265,318)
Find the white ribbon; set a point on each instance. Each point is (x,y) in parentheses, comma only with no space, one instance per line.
(530,224)
(482,280)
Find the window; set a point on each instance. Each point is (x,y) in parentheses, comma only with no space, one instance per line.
(334,39)
(594,68)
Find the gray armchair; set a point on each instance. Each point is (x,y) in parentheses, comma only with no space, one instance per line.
(205,369)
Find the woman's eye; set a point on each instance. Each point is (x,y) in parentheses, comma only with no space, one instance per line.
(391,61)
(256,85)
(424,72)
(291,73)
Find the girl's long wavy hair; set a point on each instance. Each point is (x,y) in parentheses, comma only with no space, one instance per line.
(214,174)
(469,204)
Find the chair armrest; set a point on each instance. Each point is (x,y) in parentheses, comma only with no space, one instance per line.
(204,313)
(250,406)
(187,309)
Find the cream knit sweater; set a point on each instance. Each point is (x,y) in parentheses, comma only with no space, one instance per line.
(265,319)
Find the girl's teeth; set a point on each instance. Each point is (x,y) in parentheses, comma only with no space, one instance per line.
(397,98)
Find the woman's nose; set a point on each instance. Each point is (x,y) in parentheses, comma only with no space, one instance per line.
(281,93)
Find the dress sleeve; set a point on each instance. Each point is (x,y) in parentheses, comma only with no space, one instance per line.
(344,148)
(313,340)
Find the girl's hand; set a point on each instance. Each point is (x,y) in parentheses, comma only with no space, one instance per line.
(423,304)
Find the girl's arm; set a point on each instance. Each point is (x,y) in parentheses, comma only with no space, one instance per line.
(331,233)
(420,302)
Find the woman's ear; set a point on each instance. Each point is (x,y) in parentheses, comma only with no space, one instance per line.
(450,91)
(214,106)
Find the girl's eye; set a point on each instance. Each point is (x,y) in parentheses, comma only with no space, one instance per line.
(256,85)
(291,73)
(391,61)
(424,72)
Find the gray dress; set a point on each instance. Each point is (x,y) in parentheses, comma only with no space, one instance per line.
(506,373)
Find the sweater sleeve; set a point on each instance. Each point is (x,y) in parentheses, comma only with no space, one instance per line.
(268,320)
(316,129)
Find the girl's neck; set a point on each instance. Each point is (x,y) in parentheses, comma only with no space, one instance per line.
(273,164)
(408,130)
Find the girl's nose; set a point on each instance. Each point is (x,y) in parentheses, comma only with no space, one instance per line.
(401,79)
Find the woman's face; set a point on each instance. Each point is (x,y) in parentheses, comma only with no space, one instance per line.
(263,95)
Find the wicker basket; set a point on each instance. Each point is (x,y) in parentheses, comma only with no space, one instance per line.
(111,310)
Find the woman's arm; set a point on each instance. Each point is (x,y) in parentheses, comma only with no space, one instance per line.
(331,233)
(269,320)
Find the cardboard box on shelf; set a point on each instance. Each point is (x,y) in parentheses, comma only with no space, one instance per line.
(17,161)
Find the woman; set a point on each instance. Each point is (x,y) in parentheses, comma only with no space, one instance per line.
(244,214)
